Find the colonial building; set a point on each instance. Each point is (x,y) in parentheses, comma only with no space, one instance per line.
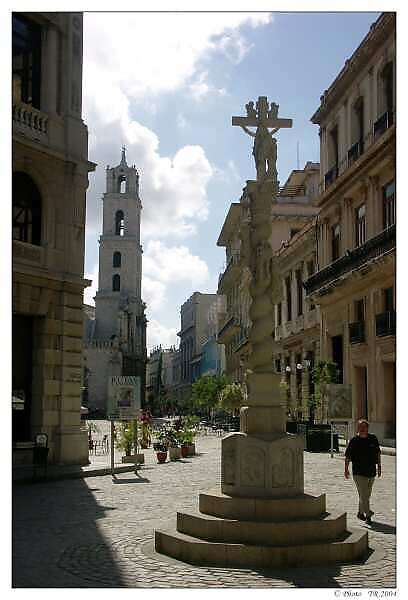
(198,325)
(50,178)
(117,341)
(160,379)
(291,211)
(297,323)
(355,279)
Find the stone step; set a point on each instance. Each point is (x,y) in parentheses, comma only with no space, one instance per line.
(328,527)
(262,509)
(191,550)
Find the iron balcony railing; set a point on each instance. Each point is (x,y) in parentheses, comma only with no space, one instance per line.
(355,151)
(385,323)
(373,248)
(383,123)
(233,261)
(230,326)
(331,176)
(357,332)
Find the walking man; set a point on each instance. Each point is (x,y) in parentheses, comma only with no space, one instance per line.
(364,452)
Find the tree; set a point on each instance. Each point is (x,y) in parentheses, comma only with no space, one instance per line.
(231,397)
(206,390)
(325,371)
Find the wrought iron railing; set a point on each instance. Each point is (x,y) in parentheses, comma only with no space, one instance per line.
(373,248)
(331,176)
(231,324)
(385,323)
(383,123)
(357,332)
(355,151)
(233,261)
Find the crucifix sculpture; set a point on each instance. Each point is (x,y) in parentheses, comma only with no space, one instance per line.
(263,117)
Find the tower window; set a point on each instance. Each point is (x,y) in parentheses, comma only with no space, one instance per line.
(119,223)
(116,283)
(122,184)
(26,210)
(117,259)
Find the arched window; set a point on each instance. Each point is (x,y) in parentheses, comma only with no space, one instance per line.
(121,184)
(116,283)
(26,209)
(117,259)
(119,223)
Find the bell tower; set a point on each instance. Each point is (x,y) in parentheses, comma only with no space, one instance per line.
(119,310)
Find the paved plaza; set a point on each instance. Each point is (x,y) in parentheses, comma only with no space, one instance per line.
(94,533)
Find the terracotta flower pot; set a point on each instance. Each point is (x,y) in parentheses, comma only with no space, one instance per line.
(161,456)
(184,451)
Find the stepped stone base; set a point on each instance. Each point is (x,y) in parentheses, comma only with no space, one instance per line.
(262,533)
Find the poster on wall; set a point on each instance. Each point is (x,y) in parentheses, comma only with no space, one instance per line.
(338,399)
(123,397)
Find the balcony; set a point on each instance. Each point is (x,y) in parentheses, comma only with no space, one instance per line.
(355,151)
(383,123)
(385,323)
(242,339)
(231,270)
(372,249)
(30,122)
(228,329)
(357,332)
(331,176)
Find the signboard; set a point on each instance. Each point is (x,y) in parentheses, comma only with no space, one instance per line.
(123,397)
(337,397)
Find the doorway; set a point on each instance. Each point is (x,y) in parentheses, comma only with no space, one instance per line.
(22,371)
(337,356)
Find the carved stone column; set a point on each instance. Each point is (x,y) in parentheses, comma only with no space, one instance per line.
(262,460)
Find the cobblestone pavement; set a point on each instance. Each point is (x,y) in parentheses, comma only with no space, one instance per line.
(94,533)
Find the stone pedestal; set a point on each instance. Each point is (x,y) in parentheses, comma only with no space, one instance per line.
(262,465)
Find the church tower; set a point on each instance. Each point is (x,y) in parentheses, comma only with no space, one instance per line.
(120,320)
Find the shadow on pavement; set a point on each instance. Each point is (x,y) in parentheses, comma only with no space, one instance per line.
(383,528)
(55,534)
(135,479)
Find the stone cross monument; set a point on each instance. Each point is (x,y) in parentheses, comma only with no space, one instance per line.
(262,460)
(261,517)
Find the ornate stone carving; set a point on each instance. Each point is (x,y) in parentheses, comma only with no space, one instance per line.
(252,471)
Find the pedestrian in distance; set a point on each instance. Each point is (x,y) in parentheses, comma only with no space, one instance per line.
(363,451)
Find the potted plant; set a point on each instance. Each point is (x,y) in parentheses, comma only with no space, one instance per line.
(160,446)
(126,440)
(186,440)
(173,443)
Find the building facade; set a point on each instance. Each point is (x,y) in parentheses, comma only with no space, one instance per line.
(297,324)
(117,345)
(50,178)
(290,212)
(355,280)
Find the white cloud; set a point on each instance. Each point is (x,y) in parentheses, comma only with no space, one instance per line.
(200,87)
(90,291)
(160,50)
(160,334)
(153,293)
(173,264)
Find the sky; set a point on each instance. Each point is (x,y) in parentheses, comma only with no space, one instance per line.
(166,85)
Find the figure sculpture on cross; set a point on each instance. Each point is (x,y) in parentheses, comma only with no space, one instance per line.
(265,145)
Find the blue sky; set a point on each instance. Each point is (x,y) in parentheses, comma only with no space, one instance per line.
(166,86)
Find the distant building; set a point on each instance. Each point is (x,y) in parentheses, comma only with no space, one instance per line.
(115,343)
(355,280)
(50,178)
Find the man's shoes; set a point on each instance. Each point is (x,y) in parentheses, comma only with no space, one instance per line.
(368,521)
(361,516)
